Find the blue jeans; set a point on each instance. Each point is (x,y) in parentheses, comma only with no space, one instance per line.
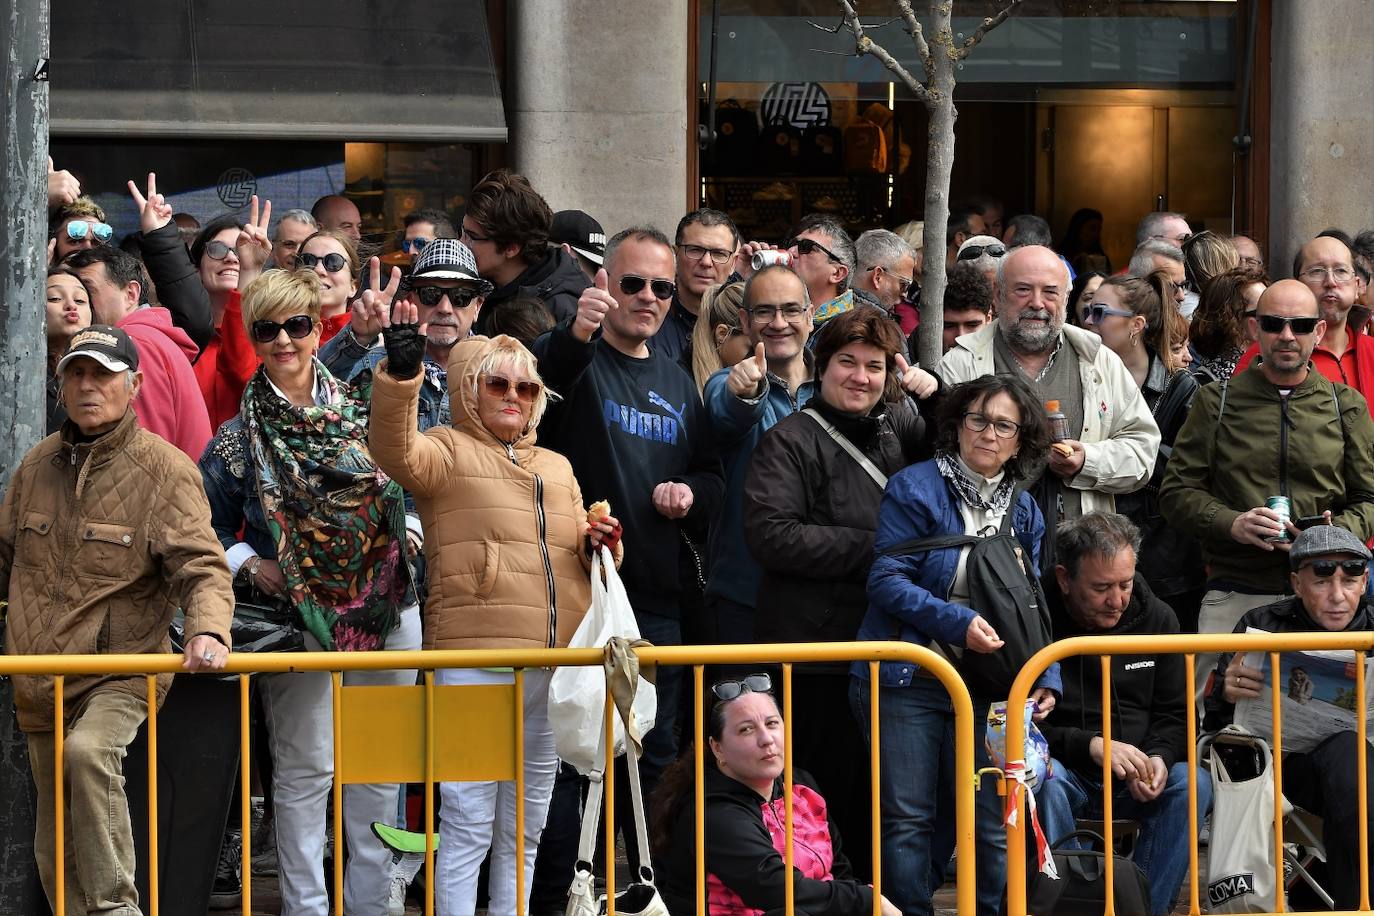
(1161,848)
(917,795)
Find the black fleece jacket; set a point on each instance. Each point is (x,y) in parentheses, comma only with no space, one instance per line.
(556,281)
(177,281)
(1148,692)
(740,852)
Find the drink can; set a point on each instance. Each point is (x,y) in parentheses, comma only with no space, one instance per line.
(1284,507)
(767,257)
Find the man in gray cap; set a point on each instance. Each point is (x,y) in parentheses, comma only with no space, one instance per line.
(445,286)
(1329,574)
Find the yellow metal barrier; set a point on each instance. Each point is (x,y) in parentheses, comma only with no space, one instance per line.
(1187,645)
(433,734)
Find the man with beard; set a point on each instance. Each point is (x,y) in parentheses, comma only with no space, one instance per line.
(445,286)
(1276,428)
(1327,267)
(1111,438)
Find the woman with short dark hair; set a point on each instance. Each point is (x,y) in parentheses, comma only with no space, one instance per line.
(992,435)
(1220,331)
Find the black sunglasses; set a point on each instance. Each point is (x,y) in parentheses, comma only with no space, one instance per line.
(458,298)
(973,252)
(1325,569)
(296,327)
(630,285)
(1274,324)
(809,246)
(752,683)
(333,261)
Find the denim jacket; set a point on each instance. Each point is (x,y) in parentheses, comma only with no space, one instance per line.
(347,359)
(907,594)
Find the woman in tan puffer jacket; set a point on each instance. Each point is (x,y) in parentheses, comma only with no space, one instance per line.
(509,549)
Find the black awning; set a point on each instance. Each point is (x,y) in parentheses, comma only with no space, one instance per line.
(357,70)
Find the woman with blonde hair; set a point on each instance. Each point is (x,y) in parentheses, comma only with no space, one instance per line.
(718,340)
(509,543)
(1205,255)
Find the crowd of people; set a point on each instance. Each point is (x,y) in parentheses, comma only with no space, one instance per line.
(245,412)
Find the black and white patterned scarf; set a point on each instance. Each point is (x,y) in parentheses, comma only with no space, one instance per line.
(967,491)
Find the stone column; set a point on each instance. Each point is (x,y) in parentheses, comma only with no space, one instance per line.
(1322,125)
(598,110)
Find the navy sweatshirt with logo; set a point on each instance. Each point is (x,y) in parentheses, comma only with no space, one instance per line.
(626,425)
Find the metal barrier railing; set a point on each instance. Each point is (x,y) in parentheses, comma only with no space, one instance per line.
(1189,646)
(409,748)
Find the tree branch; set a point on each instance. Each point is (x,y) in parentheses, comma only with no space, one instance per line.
(865,45)
(986,26)
(918,36)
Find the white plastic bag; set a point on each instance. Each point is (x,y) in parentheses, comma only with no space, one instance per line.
(1240,859)
(577,694)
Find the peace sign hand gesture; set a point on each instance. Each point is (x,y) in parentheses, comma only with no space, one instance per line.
(153,211)
(372,310)
(252,245)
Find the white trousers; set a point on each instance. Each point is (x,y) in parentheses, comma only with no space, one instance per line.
(300,723)
(479,816)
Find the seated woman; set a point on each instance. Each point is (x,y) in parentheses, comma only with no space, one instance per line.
(745,817)
(992,433)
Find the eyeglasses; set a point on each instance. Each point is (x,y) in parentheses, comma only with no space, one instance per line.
(903,283)
(631,285)
(498,386)
(414,246)
(78,229)
(333,262)
(764,314)
(1274,324)
(973,252)
(809,246)
(1341,275)
(468,236)
(459,298)
(1256,263)
(1179,240)
(697,252)
(217,251)
(1325,569)
(296,327)
(1097,312)
(752,683)
(1002,429)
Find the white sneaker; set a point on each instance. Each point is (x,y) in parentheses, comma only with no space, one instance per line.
(396,900)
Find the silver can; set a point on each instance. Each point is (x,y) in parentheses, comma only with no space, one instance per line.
(1283,506)
(762,259)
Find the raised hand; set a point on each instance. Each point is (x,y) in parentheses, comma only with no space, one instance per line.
(744,258)
(748,377)
(405,342)
(153,211)
(253,245)
(592,306)
(63,188)
(916,381)
(372,310)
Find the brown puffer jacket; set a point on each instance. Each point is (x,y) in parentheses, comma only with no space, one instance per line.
(100,543)
(505,527)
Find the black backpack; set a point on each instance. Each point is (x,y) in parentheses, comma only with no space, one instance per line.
(1005,590)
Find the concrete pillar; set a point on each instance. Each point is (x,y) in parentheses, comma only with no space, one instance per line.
(598,108)
(1322,125)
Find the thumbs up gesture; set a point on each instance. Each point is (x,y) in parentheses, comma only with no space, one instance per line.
(749,376)
(595,302)
(916,381)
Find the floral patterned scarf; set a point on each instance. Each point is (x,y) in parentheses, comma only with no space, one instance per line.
(338,521)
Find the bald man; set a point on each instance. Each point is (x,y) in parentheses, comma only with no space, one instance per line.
(336,212)
(1326,266)
(1276,428)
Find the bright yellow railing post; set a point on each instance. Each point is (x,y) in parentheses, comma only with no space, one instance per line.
(1190,683)
(874,775)
(152,797)
(60,821)
(1361,756)
(519,792)
(336,698)
(699,781)
(430,844)
(1276,698)
(789,891)
(1107,785)
(246,810)
(609,785)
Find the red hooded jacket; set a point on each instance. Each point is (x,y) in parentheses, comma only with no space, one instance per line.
(169,403)
(226,365)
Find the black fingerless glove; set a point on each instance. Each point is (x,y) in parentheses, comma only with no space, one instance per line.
(405,348)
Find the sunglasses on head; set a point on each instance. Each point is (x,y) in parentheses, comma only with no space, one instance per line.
(498,386)
(1325,569)
(414,246)
(1274,324)
(630,285)
(809,246)
(78,229)
(333,262)
(973,252)
(217,251)
(458,297)
(296,327)
(753,683)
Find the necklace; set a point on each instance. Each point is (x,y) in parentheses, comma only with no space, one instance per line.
(1049,363)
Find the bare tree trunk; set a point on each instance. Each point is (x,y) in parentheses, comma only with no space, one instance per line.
(939,169)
